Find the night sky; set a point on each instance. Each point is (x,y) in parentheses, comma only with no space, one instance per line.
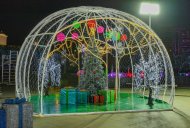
(18,17)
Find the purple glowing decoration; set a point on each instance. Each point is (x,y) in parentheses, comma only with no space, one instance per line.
(185,74)
(161,74)
(113,75)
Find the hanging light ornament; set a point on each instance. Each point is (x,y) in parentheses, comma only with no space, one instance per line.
(75,36)
(91,23)
(108,35)
(60,37)
(76,24)
(100,29)
(116,36)
(123,37)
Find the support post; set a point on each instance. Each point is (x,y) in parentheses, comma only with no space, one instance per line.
(150,21)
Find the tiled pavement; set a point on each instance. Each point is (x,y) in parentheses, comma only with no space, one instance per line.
(179,118)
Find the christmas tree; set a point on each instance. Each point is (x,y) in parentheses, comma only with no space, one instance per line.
(93,78)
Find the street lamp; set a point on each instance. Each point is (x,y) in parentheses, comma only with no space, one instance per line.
(149,9)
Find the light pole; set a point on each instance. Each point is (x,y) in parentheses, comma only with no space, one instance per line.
(149,9)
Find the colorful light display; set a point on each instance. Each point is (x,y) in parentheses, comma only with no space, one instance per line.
(105,37)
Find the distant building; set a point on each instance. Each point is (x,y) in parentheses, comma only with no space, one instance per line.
(182,42)
(181,50)
(8,57)
(166,37)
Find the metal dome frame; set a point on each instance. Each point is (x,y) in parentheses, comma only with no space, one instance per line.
(141,44)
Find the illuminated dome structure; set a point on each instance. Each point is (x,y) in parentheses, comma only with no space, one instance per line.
(124,52)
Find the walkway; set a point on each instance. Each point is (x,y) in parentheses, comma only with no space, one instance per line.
(179,118)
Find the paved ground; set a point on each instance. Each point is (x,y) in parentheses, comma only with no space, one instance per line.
(126,120)
(179,118)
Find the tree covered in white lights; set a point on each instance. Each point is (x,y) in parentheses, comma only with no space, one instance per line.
(149,74)
(52,73)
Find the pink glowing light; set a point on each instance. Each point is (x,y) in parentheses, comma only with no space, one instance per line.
(100,29)
(61,37)
(80,72)
(75,36)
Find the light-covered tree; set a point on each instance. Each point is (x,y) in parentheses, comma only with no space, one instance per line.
(149,74)
(52,73)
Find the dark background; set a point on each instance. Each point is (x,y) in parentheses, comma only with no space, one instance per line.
(18,17)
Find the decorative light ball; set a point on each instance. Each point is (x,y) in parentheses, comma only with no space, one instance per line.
(75,36)
(123,37)
(129,74)
(109,34)
(80,72)
(116,36)
(100,29)
(91,23)
(61,37)
(76,24)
